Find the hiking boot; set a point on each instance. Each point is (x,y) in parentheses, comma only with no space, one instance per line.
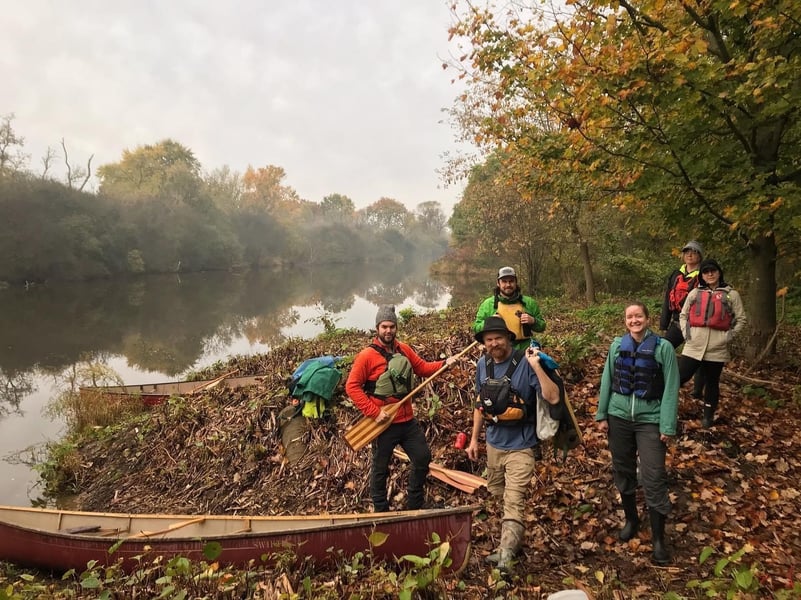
(512,534)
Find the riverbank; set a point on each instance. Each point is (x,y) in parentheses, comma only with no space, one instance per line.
(734,486)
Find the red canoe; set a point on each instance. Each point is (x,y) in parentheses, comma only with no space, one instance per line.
(152,394)
(60,540)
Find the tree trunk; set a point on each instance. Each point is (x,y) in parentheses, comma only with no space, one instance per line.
(761,305)
(589,280)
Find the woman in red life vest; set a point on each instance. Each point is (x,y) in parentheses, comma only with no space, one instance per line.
(711,317)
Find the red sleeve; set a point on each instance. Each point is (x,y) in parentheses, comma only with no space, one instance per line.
(420,367)
(363,366)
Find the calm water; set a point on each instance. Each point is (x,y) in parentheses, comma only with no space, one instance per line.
(159,328)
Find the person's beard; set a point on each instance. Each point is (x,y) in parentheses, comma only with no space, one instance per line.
(387,338)
(499,353)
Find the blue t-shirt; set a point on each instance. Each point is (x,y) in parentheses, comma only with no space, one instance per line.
(525,383)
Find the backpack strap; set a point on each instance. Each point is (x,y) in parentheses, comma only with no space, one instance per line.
(382,351)
(517,355)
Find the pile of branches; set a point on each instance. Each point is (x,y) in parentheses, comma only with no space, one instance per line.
(733,486)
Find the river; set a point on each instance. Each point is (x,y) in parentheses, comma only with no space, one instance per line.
(159,328)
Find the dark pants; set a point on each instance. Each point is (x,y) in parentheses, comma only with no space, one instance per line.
(627,440)
(411,438)
(674,336)
(709,370)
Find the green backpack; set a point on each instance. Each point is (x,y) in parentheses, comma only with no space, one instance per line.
(396,381)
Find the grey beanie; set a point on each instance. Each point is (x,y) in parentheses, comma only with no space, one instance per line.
(386,313)
(694,245)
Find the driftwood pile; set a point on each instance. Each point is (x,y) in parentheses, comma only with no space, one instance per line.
(220,452)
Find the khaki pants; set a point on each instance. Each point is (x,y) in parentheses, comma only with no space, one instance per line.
(509,473)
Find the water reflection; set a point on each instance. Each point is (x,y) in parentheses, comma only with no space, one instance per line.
(163,323)
(159,327)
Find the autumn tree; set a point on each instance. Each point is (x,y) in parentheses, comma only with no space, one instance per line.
(493,220)
(338,208)
(430,218)
(225,188)
(688,108)
(166,171)
(385,214)
(264,188)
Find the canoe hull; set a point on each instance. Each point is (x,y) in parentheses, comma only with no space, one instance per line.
(153,394)
(322,538)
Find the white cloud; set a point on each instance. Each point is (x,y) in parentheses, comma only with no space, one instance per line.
(346,96)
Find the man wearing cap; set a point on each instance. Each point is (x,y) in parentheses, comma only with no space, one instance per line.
(679,284)
(521,313)
(368,366)
(511,441)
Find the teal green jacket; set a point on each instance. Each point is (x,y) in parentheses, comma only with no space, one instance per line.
(505,309)
(662,412)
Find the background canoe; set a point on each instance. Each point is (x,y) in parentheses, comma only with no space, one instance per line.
(152,394)
(61,540)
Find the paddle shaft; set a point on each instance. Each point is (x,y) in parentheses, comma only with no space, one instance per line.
(366,430)
(573,417)
(211,384)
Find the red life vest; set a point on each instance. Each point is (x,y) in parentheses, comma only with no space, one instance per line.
(681,287)
(711,309)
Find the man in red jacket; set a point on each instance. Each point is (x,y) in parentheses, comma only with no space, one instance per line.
(375,381)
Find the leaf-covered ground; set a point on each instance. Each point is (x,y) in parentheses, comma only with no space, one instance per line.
(735,486)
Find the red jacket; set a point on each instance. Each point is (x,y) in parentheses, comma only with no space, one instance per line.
(369,365)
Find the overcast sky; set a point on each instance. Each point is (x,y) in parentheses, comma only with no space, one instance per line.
(347,96)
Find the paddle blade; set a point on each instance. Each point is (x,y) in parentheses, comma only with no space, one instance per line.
(366,430)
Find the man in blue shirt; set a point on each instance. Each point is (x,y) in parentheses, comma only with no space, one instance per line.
(511,433)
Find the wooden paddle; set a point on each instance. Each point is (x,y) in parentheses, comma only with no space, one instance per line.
(573,418)
(467,482)
(366,429)
(172,527)
(212,383)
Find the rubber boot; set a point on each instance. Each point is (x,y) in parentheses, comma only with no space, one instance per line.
(660,555)
(511,540)
(629,530)
(709,416)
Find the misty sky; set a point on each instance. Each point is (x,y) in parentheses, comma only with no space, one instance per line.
(347,96)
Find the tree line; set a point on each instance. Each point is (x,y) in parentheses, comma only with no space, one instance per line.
(612,133)
(157,210)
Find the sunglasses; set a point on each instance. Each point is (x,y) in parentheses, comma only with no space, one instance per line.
(709,270)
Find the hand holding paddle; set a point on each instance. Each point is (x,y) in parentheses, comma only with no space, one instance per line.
(367,429)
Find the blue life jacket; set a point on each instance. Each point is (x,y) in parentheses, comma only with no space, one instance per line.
(636,370)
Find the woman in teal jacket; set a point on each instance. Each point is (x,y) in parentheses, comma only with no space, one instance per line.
(638,409)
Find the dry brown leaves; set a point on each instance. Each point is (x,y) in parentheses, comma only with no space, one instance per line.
(736,484)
